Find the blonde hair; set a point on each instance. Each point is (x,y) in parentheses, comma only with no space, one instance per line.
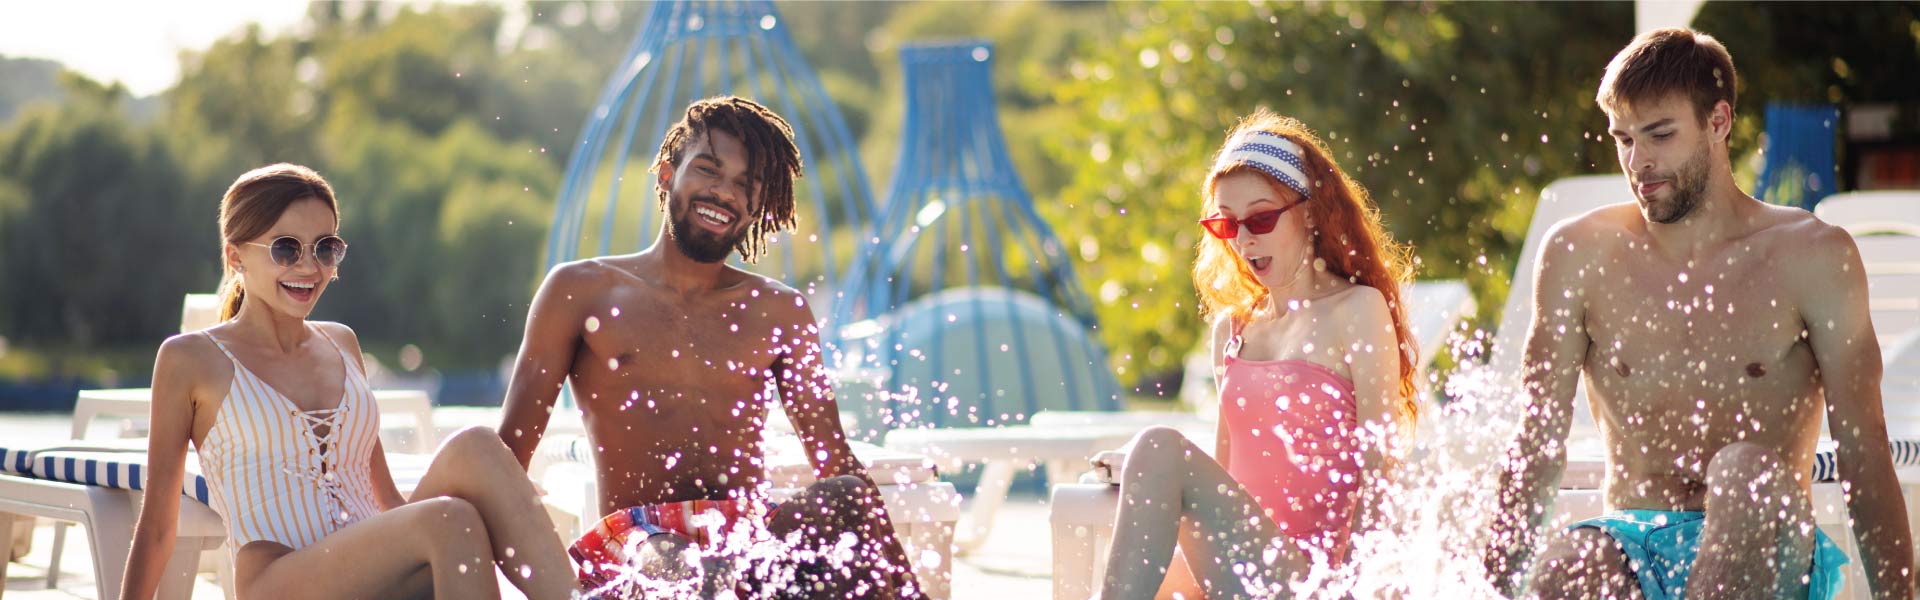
(1347,235)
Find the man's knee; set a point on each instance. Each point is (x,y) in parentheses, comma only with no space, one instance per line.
(1583,563)
(664,556)
(1747,472)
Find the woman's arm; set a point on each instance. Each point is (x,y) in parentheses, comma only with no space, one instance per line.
(1222,333)
(171,422)
(1373,357)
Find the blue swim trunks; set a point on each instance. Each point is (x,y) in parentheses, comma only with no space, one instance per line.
(1660,547)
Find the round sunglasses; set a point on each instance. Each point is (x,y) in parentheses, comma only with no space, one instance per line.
(1260,223)
(287,250)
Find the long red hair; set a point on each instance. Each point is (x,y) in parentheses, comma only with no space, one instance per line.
(1347,234)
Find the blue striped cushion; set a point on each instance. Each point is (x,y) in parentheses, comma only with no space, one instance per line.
(1826,466)
(108,469)
(18,462)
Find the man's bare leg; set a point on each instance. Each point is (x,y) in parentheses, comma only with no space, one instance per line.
(1753,502)
(831,508)
(1583,564)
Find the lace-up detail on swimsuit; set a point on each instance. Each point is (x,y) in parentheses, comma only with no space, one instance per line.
(287,475)
(322,471)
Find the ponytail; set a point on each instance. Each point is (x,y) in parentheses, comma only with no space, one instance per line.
(231,294)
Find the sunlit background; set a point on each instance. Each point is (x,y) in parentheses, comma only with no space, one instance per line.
(447,131)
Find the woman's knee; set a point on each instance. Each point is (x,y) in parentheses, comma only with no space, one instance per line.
(448,523)
(1156,447)
(477,443)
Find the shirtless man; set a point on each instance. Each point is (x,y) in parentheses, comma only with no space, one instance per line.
(1712,331)
(676,357)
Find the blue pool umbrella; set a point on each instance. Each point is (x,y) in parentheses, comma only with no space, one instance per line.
(963,300)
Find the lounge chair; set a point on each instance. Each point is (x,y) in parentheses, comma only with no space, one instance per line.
(100,489)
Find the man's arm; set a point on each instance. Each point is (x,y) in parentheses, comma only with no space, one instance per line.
(555,326)
(1834,292)
(1556,348)
(806,393)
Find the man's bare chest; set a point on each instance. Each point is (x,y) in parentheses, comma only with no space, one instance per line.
(1695,332)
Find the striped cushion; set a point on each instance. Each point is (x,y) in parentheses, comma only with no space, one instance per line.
(17,462)
(110,469)
(1826,466)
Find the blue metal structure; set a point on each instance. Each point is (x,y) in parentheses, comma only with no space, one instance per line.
(692,50)
(1800,167)
(965,297)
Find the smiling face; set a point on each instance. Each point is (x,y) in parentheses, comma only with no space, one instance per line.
(1274,257)
(711,198)
(1666,150)
(290,290)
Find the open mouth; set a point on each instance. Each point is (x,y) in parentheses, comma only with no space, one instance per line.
(713,217)
(299,290)
(1260,263)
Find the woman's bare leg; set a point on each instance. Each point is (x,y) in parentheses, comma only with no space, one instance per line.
(379,556)
(475,466)
(1167,478)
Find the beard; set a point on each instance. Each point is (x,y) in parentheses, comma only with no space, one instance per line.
(1689,183)
(698,243)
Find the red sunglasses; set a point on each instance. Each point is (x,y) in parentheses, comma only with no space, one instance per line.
(1260,223)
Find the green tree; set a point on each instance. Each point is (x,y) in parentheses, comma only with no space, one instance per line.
(87,203)
(1451,115)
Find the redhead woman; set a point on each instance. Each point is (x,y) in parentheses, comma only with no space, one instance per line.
(1315,363)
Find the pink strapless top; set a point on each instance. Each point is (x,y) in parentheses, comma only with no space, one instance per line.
(1291,424)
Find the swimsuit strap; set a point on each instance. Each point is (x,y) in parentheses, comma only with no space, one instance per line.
(351,363)
(222,347)
(1235,342)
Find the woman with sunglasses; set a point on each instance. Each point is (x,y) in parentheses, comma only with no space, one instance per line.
(287,435)
(1315,363)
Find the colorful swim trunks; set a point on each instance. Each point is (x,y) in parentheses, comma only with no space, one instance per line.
(610,541)
(1661,545)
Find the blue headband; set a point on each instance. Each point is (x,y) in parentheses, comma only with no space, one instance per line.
(1271,154)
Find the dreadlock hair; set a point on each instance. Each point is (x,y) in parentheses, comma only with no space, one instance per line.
(773,161)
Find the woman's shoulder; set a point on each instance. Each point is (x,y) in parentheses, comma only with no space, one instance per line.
(1359,302)
(340,333)
(190,357)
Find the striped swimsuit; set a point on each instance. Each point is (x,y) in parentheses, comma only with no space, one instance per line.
(273,476)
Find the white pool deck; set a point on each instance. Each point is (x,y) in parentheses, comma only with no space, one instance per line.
(1015,563)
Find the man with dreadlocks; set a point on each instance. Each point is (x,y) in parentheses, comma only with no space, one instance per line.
(676,357)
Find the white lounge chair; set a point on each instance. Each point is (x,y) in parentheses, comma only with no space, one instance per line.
(1887,211)
(100,491)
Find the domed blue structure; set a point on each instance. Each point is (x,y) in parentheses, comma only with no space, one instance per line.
(964,300)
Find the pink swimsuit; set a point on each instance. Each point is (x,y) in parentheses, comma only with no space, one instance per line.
(1291,425)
